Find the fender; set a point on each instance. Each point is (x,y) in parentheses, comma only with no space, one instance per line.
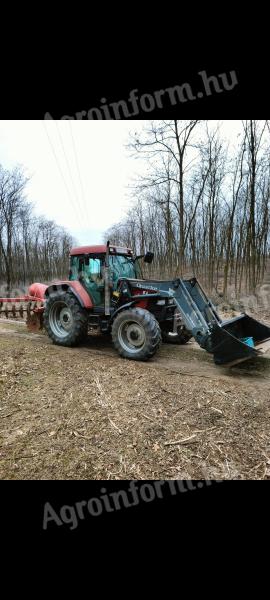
(124,307)
(73,286)
(38,290)
(136,303)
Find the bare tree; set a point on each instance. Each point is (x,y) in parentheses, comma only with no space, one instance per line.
(30,247)
(203,209)
(170,141)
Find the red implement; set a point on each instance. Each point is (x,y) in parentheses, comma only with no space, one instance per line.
(31,305)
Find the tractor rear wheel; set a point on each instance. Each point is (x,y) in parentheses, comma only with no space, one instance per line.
(136,334)
(65,321)
(181,337)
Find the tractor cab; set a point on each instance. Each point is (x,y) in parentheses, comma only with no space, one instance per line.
(88,265)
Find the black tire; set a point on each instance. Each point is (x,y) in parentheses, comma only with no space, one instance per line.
(180,338)
(136,334)
(65,321)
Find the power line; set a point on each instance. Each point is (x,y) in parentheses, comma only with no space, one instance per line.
(79,174)
(62,175)
(70,173)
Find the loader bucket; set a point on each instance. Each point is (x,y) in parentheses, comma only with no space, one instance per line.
(239,339)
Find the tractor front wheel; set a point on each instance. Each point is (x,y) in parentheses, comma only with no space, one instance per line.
(136,334)
(65,321)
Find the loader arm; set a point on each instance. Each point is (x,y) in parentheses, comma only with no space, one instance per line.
(232,341)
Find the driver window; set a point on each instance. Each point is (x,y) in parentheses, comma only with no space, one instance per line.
(93,270)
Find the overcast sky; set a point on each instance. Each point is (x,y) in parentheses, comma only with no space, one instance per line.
(80,170)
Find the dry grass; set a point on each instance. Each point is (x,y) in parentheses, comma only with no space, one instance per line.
(87,414)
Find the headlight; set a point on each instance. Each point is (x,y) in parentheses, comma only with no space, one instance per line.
(161,302)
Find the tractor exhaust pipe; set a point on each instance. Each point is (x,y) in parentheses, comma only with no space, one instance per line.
(107,282)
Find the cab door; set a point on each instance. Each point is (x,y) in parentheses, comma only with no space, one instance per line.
(92,277)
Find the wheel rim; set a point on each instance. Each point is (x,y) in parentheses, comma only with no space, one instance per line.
(132,336)
(61,319)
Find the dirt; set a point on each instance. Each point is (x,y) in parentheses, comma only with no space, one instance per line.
(85,413)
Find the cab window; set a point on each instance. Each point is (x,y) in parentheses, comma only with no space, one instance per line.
(122,266)
(93,269)
(89,268)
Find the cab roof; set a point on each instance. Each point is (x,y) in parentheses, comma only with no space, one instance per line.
(86,250)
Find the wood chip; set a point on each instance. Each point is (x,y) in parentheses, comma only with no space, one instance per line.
(179,442)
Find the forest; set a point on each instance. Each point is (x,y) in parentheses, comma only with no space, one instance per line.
(202,204)
(31,247)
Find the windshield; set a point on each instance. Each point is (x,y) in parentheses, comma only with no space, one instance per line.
(124,266)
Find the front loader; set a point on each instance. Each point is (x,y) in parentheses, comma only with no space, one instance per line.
(106,294)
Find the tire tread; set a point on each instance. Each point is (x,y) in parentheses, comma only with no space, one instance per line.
(152,330)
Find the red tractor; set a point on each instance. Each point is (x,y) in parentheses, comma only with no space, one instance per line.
(106,292)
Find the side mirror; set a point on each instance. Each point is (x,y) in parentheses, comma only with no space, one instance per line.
(149,257)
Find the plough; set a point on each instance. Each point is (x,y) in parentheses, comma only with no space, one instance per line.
(29,307)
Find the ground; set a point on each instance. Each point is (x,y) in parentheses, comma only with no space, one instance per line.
(85,413)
